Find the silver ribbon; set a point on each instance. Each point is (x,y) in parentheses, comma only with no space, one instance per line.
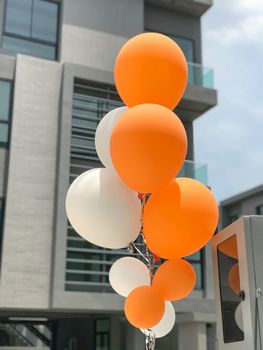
(150,340)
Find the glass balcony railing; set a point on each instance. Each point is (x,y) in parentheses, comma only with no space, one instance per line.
(201,76)
(195,171)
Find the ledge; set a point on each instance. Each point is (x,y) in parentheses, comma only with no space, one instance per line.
(193,7)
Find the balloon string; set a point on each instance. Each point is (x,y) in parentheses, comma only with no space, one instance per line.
(150,340)
(148,255)
(138,251)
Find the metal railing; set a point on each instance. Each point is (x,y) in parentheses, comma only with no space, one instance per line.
(194,170)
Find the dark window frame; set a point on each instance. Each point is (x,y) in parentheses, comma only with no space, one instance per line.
(8,122)
(102,333)
(259,208)
(170,35)
(201,262)
(2,219)
(32,39)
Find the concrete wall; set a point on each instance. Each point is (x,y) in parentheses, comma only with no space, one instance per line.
(192,7)
(28,231)
(94,31)
(246,205)
(169,21)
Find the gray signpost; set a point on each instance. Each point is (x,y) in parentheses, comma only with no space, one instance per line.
(238,277)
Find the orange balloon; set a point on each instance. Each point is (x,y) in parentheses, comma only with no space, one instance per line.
(174,279)
(148,146)
(144,307)
(234,279)
(151,68)
(229,247)
(180,218)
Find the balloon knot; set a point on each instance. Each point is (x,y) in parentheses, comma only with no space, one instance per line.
(156,258)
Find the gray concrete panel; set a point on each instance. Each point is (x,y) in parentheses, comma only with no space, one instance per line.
(94,31)
(118,17)
(26,259)
(192,7)
(192,336)
(195,102)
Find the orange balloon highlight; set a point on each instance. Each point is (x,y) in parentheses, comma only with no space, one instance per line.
(229,247)
(234,279)
(174,279)
(180,218)
(148,146)
(144,307)
(151,68)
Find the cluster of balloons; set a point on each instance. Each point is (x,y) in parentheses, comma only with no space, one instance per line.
(148,304)
(143,146)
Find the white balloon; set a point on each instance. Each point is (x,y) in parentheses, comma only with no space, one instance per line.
(239,316)
(103,135)
(166,324)
(127,274)
(103,210)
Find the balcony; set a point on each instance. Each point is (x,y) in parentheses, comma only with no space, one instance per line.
(200,76)
(199,95)
(195,171)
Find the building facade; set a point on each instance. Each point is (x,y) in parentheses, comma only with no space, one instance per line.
(56,83)
(246,203)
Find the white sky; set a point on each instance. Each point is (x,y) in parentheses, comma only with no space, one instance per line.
(229,138)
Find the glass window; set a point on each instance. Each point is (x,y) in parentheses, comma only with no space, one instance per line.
(3,134)
(18,17)
(260,210)
(196,261)
(5,95)
(102,329)
(187,46)
(5,92)
(31,27)
(87,268)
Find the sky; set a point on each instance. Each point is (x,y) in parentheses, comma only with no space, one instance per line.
(229,137)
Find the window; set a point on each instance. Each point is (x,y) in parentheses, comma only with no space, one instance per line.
(31,27)
(187,46)
(196,260)
(5,108)
(102,336)
(87,266)
(259,210)
(2,210)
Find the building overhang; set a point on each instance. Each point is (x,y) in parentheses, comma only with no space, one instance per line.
(195,102)
(192,7)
